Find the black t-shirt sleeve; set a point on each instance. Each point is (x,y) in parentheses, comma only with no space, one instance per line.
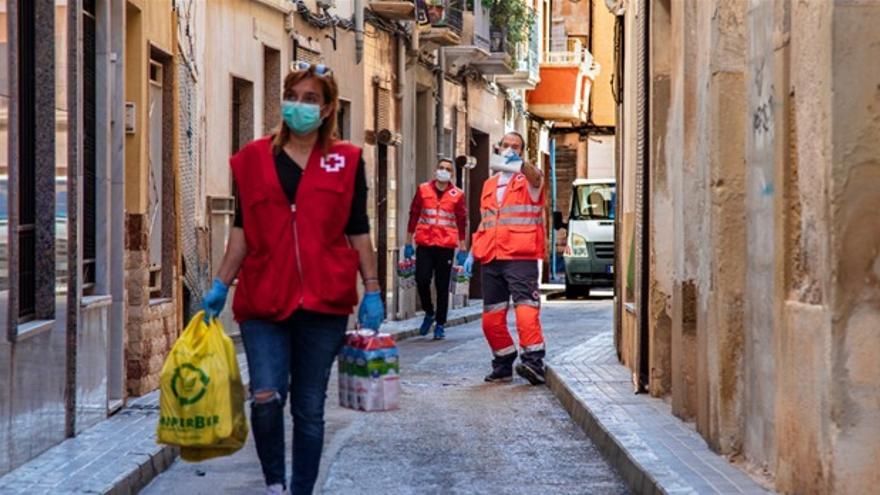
(358,221)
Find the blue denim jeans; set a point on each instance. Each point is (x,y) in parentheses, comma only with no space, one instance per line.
(294,355)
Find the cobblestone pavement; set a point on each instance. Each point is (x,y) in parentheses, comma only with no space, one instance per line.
(453,434)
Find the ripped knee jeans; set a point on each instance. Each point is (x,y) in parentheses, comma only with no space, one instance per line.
(291,359)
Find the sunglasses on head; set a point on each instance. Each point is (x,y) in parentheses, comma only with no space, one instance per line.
(319,69)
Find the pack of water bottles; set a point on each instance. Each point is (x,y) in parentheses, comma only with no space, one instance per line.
(459,281)
(406,273)
(369,372)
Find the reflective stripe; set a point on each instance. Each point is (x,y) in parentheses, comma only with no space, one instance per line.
(528,302)
(429,211)
(507,351)
(490,308)
(447,214)
(521,221)
(487,225)
(533,348)
(522,209)
(488,213)
(436,221)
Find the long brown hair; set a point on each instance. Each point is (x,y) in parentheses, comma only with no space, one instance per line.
(327,131)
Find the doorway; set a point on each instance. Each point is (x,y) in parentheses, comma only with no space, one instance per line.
(478,147)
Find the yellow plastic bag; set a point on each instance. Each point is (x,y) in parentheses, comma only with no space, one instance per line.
(202,396)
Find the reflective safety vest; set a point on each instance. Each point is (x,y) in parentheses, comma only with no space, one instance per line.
(437,226)
(513,230)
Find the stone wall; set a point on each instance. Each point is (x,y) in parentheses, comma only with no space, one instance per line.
(151,325)
(764,136)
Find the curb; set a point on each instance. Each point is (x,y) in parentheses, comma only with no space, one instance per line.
(634,474)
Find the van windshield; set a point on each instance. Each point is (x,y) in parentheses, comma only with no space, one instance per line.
(593,202)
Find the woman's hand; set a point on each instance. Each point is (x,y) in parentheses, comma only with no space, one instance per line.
(371,313)
(214,300)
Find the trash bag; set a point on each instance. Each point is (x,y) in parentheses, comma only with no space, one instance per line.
(201,394)
(369,372)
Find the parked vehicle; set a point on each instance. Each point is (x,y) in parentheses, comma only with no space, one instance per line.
(589,249)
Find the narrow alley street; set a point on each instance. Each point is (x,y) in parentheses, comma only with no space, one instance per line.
(453,434)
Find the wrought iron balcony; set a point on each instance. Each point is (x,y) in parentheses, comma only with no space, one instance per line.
(475,36)
(440,22)
(527,71)
(499,61)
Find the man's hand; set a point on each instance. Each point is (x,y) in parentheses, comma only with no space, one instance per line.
(533,175)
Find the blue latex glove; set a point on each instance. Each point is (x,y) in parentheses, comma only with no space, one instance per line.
(409,252)
(460,258)
(468,264)
(214,300)
(371,313)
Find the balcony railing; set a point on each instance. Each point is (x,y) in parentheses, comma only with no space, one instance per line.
(579,56)
(440,22)
(445,13)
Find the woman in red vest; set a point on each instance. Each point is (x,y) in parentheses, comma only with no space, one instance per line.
(301,235)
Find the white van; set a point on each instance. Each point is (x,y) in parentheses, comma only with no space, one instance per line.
(589,248)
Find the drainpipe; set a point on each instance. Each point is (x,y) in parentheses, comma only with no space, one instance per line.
(441,59)
(553,207)
(358,30)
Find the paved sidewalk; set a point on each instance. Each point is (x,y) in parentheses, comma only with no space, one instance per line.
(654,451)
(120,455)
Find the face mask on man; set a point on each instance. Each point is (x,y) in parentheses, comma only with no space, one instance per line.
(443,175)
(301,118)
(506,160)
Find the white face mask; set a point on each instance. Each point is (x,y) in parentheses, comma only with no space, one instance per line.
(443,175)
(506,161)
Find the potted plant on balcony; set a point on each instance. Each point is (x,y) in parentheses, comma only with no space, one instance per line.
(514,16)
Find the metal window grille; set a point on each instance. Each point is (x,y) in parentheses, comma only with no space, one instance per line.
(26,234)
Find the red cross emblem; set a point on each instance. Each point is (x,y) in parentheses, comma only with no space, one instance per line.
(334,162)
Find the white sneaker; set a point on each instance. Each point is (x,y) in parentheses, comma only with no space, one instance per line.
(276,489)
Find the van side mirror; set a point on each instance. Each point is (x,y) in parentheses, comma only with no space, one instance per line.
(558,222)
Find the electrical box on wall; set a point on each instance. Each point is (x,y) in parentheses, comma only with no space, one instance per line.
(130,117)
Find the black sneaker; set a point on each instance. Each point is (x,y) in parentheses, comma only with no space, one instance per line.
(499,376)
(534,374)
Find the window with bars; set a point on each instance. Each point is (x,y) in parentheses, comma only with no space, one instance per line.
(26,231)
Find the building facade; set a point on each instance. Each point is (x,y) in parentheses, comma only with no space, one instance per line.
(748,284)
(115,208)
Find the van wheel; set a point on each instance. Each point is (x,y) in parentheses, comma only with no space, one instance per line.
(573,291)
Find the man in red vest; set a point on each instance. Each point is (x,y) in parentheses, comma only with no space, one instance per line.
(437,221)
(509,244)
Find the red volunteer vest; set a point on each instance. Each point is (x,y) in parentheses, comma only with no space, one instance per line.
(513,230)
(437,225)
(297,255)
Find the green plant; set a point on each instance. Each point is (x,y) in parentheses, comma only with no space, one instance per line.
(515,16)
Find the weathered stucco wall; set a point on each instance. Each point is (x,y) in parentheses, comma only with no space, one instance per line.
(765,138)
(854,201)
